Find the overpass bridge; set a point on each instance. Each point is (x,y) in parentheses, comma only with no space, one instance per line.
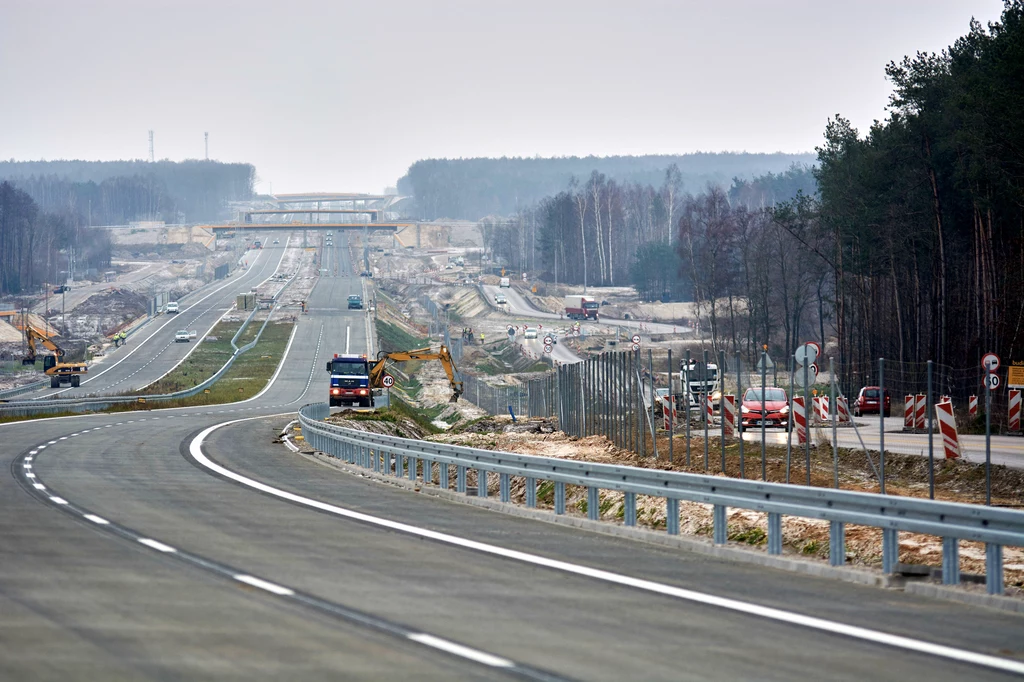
(284,227)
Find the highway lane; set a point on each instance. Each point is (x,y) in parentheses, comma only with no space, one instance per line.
(110,607)
(152,351)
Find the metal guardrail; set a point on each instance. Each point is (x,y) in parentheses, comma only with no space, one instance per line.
(951,521)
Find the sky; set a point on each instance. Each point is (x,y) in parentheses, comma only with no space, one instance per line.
(344,96)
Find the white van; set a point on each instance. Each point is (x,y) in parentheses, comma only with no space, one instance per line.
(505,282)
(172,307)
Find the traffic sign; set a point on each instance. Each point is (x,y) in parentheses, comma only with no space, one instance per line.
(807,353)
(548,340)
(1015,375)
(636,338)
(992,381)
(511,332)
(765,363)
(388,381)
(636,346)
(990,361)
(547,347)
(507,327)
(812,376)
(575,332)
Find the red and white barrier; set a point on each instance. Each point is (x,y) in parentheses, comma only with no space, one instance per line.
(842,409)
(800,419)
(709,408)
(1013,422)
(823,415)
(972,406)
(729,415)
(947,427)
(668,405)
(919,411)
(908,412)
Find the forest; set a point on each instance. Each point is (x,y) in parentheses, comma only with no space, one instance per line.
(119,192)
(472,189)
(905,242)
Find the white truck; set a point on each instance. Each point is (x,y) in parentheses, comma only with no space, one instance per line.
(505,283)
(699,380)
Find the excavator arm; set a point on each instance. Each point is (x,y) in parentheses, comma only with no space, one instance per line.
(377,371)
(35,338)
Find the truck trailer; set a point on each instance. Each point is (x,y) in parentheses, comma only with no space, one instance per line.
(581,308)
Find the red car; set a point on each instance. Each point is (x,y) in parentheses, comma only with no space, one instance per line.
(774,411)
(867,401)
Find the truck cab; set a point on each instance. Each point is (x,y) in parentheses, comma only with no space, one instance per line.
(350,380)
(699,380)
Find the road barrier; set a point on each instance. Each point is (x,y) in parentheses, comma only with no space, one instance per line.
(413,459)
(908,413)
(972,406)
(729,415)
(800,419)
(920,403)
(822,407)
(842,409)
(947,427)
(1013,411)
(709,408)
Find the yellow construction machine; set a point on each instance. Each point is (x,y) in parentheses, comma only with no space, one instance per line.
(58,371)
(377,371)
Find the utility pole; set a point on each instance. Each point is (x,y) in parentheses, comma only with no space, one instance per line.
(151,157)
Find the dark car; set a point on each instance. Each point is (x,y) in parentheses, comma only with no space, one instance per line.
(867,401)
(355,302)
(773,412)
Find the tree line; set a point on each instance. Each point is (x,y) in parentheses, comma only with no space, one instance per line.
(118,192)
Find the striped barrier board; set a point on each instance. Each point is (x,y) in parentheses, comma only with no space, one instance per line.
(709,408)
(972,406)
(919,411)
(729,414)
(842,409)
(947,427)
(823,408)
(1013,410)
(800,419)
(668,405)
(908,412)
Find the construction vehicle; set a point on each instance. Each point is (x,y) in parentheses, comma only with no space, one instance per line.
(700,381)
(350,380)
(579,307)
(377,371)
(58,371)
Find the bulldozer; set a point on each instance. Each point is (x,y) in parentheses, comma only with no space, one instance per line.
(377,371)
(53,365)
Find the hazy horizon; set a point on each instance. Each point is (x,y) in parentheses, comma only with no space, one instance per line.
(345,98)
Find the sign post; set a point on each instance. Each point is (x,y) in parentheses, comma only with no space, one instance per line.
(990,362)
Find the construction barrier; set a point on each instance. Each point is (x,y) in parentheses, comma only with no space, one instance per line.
(908,412)
(729,415)
(842,409)
(1013,413)
(709,410)
(947,427)
(668,405)
(972,406)
(919,411)
(800,419)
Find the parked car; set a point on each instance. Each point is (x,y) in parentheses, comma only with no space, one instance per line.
(182,335)
(773,412)
(867,401)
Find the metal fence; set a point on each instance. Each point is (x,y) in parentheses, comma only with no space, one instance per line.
(415,458)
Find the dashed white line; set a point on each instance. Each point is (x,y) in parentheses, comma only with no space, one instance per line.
(158,546)
(30,475)
(462,651)
(264,585)
(39,486)
(97,519)
(58,500)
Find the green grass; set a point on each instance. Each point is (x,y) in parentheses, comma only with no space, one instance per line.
(403,409)
(205,360)
(392,338)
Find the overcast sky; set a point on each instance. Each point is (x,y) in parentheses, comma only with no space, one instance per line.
(344,96)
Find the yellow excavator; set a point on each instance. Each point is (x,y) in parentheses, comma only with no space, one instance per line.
(58,371)
(377,371)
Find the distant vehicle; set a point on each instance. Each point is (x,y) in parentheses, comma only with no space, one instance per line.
(171,308)
(581,308)
(530,333)
(698,381)
(355,302)
(182,335)
(366,273)
(773,412)
(257,244)
(449,266)
(277,241)
(330,234)
(867,401)
(61,289)
(460,261)
(505,282)
(500,299)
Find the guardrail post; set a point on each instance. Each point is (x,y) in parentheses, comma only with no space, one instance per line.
(531,492)
(774,533)
(720,527)
(950,561)
(836,543)
(442,475)
(629,514)
(505,484)
(672,515)
(399,466)
(481,483)
(593,503)
(412,468)
(460,479)
(428,471)
(890,550)
(375,456)
(994,568)
(559,497)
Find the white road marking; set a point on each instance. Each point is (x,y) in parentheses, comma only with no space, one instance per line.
(63,438)
(52,442)
(33,452)
(30,475)
(58,500)
(770,613)
(463,651)
(97,519)
(348,338)
(39,486)
(26,465)
(158,546)
(264,585)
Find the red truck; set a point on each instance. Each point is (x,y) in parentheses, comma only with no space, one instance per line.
(581,308)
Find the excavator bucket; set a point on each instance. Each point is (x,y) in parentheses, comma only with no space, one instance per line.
(454,398)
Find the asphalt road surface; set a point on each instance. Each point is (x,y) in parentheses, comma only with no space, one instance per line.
(126,557)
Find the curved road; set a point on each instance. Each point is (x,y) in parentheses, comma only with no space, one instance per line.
(127,557)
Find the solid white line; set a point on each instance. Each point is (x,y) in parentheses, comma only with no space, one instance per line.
(158,546)
(58,500)
(348,338)
(264,585)
(97,519)
(463,651)
(821,624)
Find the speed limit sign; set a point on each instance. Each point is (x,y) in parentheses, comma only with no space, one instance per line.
(548,340)
(547,347)
(636,346)
(388,381)
(635,339)
(992,381)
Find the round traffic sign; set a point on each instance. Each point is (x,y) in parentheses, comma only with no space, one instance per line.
(636,346)
(635,339)
(508,327)
(990,361)
(511,332)
(575,332)
(807,353)
(548,340)
(812,375)
(547,347)
(388,381)
(992,381)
